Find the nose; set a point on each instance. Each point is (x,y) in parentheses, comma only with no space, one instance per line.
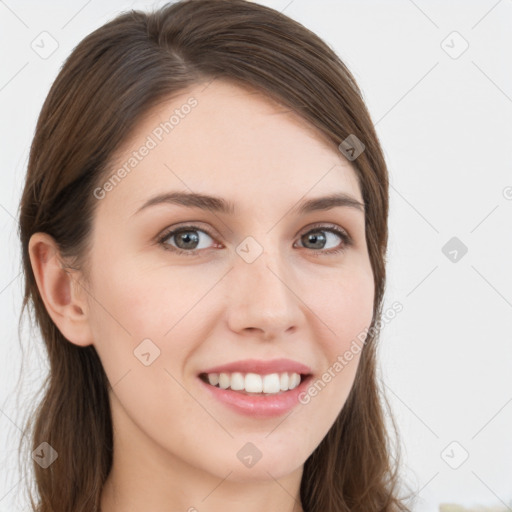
(262,299)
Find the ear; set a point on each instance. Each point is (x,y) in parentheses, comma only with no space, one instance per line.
(62,294)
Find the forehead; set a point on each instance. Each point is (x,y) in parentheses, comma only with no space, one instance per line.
(228,140)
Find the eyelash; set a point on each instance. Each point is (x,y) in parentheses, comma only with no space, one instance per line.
(347,240)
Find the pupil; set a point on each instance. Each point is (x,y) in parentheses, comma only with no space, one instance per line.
(316,238)
(187,238)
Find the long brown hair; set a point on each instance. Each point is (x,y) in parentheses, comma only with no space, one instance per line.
(108,83)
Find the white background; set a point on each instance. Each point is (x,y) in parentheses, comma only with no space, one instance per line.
(446,128)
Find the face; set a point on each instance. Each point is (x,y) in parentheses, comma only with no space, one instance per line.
(267,281)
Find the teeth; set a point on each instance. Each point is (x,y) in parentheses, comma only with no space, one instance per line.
(237,381)
(224,381)
(272,383)
(213,378)
(284,381)
(294,380)
(255,383)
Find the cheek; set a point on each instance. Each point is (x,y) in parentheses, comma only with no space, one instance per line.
(136,301)
(344,312)
(137,311)
(345,306)
(138,321)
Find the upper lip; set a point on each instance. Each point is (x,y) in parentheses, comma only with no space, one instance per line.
(261,366)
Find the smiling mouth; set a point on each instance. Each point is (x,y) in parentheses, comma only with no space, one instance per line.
(255,384)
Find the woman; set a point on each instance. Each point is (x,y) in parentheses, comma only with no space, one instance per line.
(204,228)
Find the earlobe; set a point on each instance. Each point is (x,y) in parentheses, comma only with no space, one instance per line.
(59,291)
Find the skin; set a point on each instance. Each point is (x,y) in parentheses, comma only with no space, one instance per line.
(173,443)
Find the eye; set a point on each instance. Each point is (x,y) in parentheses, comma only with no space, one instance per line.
(319,240)
(187,240)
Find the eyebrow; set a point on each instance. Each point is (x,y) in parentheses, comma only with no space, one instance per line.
(218,204)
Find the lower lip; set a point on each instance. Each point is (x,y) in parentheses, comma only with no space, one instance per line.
(259,405)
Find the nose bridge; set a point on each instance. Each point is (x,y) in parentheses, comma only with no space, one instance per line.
(263,269)
(261,295)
